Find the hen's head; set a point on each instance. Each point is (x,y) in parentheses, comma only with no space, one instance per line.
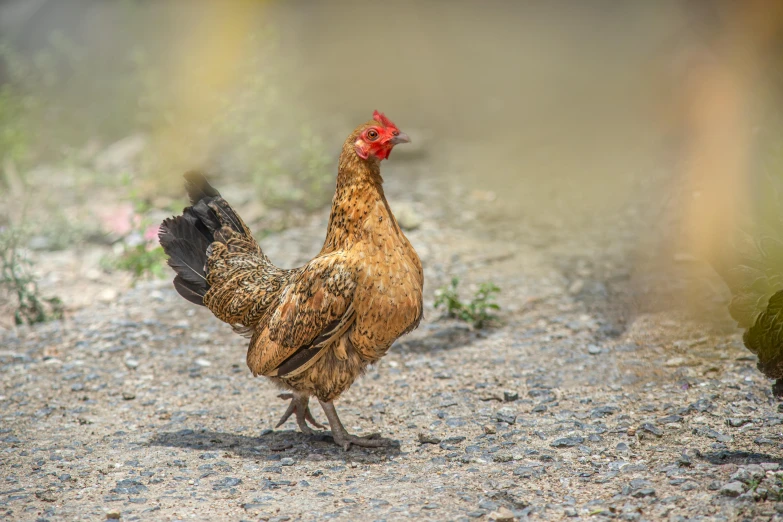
(377,137)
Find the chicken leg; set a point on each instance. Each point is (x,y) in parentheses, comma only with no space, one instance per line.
(345,439)
(299,406)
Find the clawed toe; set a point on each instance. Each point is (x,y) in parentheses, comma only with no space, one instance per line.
(299,406)
(370,441)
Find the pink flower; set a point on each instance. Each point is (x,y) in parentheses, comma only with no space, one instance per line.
(151,234)
(120,220)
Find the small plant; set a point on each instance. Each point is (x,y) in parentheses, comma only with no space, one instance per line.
(141,260)
(477,312)
(17,279)
(139,251)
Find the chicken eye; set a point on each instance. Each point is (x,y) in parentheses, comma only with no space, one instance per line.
(372,134)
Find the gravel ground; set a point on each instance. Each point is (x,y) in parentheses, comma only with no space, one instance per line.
(139,406)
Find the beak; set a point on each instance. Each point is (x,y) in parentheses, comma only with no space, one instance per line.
(400,138)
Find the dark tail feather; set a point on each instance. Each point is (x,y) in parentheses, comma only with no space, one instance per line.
(210,208)
(186,238)
(186,247)
(198,187)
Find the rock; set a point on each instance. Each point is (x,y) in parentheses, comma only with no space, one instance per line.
(732,489)
(46,495)
(129,487)
(702,405)
(131,364)
(108,295)
(287,461)
(226,483)
(128,396)
(603,411)
(676,361)
(489,429)
(426,438)
(736,423)
(567,442)
(570,512)
(505,416)
(503,514)
(747,474)
(510,396)
(202,362)
(541,408)
(407,218)
(650,428)
(644,492)
(593,349)
(113,515)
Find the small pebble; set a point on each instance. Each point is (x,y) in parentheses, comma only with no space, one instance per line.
(567,442)
(508,418)
(732,489)
(503,514)
(426,438)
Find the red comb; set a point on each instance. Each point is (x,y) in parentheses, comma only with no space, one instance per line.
(382,119)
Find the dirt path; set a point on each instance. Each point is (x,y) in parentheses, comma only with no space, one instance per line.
(141,407)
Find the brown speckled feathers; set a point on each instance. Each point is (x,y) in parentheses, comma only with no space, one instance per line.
(313,329)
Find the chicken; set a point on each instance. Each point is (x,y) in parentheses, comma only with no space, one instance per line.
(752,267)
(313,330)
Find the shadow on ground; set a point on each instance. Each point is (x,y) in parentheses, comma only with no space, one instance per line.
(740,457)
(270,446)
(444,335)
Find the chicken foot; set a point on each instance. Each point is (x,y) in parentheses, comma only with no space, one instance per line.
(345,439)
(299,406)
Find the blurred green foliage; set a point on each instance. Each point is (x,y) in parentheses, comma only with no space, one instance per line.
(138,254)
(477,312)
(57,99)
(17,280)
(61,105)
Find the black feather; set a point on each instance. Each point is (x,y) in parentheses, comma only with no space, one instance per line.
(189,291)
(187,239)
(198,187)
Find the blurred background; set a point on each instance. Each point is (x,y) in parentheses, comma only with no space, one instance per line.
(625,140)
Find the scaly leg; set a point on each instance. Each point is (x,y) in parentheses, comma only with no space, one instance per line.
(345,439)
(300,406)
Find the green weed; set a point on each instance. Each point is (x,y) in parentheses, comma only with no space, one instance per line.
(477,312)
(17,279)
